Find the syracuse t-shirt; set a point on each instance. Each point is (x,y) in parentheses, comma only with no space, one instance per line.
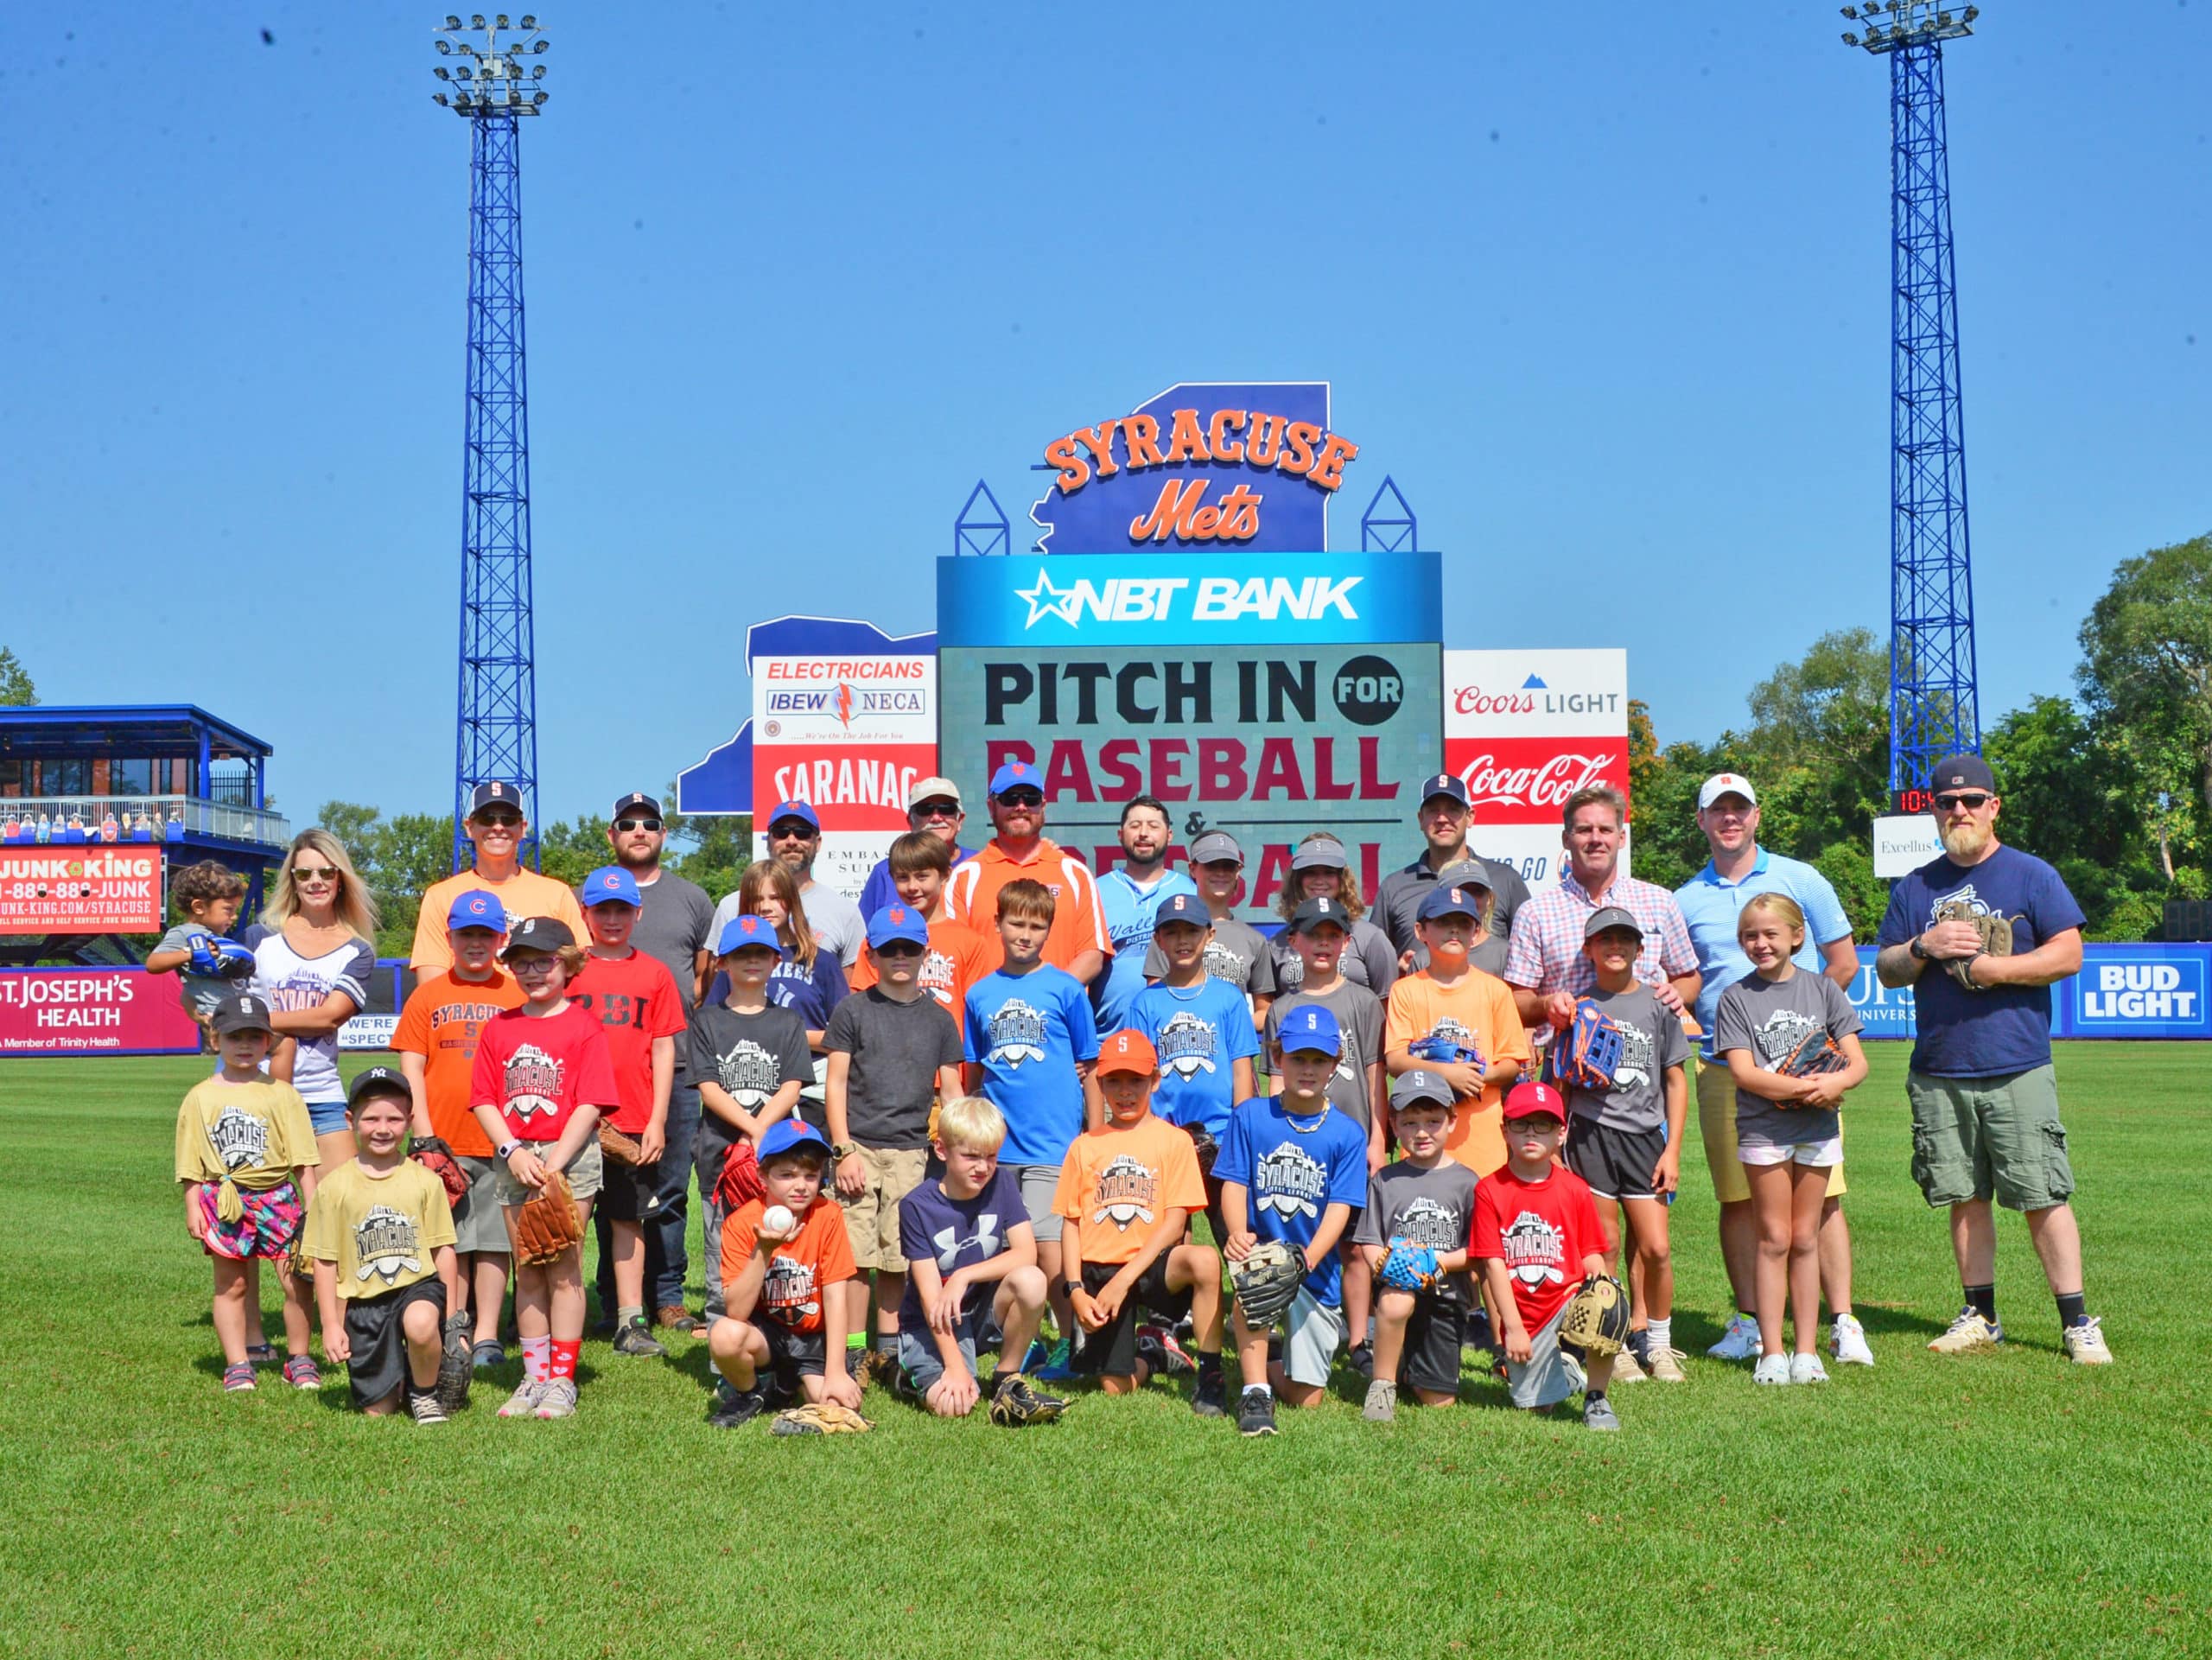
(750,1054)
(1541,1231)
(444,1019)
(537,1070)
(1651,1041)
(1199,1032)
(635,1000)
(1292,1170)
(1477,1011)
(816,1257)
(253,1134)
(1117,1183)
(1027,1032)
(957,958)
(378,1231)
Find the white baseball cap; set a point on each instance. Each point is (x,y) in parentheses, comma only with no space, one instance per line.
(933,789)
(1721,783)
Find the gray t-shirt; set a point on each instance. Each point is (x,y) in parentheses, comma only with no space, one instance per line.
(1651,1041)
(673,928)
(896,1049)
(835,921)
(752,1055)
(1237,953)
(199,992)
(1369,960)
(1399,898)
(1767,1017)
(1359,1016)
(1434,1208)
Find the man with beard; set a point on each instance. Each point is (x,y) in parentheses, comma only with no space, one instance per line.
(1985,1101)
(1132,897)
(1021,851)
(794,839)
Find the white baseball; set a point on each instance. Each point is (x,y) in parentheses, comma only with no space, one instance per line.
(779,1220)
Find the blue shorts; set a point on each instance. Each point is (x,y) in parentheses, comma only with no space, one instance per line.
(329,1117)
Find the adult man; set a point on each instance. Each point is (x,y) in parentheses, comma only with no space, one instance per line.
(1078,942)
(1131,898)
(1740,870)
(1985,1101)
(496,826)
(794,838)
(1444,816)
(932,804)
(675,925)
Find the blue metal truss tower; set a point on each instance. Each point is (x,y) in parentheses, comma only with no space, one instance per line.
(1933,704)
(497,728)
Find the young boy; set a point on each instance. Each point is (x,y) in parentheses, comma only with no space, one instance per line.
(382,1238)
(1125,1197)
(1537,1236)
(1294,1168)
(208,966)
(1425,1200)
(1029,1045)
(972,1281)
(1458,1022)
(786,1292)
(1626,1143)
(893,1053)
(751,1060)
(634,998)
(958,957)
(1238,952)
(1200,1027)
(436,1044)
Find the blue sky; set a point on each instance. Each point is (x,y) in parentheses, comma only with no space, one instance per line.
(1606,293)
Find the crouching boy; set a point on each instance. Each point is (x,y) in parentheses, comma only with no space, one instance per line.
(1419,1211)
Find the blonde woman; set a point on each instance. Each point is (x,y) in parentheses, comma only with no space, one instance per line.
(1319,867)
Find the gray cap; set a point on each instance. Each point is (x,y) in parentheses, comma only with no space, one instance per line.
(1410,1087)
(1215,846)
(1467,873)
(1325,854)
(1610,916)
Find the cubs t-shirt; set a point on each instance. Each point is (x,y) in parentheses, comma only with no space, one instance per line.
(750,1054)
(1434,1208)
(1651,1041)
(1200,1033)
(1292,1170)
(1028,1031)
(1359,1018)
(379,1231)
(1239,953)
(1479,1012)
(444,1019)
(1542,1230)
(1768,1018)
(635,1000)
(292,981)
(1117,1183)
(252,1133)
(956,1233)
(816,1257)
(957,958)
(537,1070)
(896,1049)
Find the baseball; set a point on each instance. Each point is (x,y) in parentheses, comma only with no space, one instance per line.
(776,1219)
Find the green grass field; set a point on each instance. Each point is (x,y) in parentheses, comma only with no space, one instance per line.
(2000,1504)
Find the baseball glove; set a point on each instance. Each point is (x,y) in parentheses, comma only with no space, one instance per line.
(1206,1147)
(1444,1051)
(296,1260)
(1813,1054)
(623,1150)
(823,1419)
(1996,931)
(1408,1266)
(1267,1281)
(1595,1321)
(454,1365)
(434,1156)
(216,958)
(545,1227)
(740,1182)
(1587,1054)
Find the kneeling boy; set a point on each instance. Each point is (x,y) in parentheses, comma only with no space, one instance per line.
(1425,1202)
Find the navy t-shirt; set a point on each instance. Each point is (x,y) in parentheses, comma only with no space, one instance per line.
(2005,1029)
(956,1233)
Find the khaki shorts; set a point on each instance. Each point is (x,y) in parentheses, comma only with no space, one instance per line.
(872,1220)
(477,1224)
(1986,1138)
(584,1172)
(1716,1128)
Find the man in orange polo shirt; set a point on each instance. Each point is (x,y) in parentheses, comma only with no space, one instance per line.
(1078,943)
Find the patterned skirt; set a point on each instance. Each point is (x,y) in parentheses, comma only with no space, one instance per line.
(271,1218)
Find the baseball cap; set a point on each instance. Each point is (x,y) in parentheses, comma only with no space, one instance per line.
(797,810)
(1961,772)
(543,934)
(610,883)
(379,1080)
(1448,783)
(1128,1050)
(933,789)
(1215,846)
(1183,907)
(1610,916)
(1721,783)
(1310,914)
(1410,1087)
(1467,873)
(478,909)
(636,804)
(1449,901)
(896,922)
(1012,775)
(1310,1026)
(242,1011)
(1326,854)
(1533,1100)
(789,1134)
(739,932)
(493,794)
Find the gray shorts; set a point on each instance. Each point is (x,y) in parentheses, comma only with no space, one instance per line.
(477,1224)
(979,1333)
(1039,1183)
(1990,1137)
(1550,1374)
(584,1172)
(1312,1335)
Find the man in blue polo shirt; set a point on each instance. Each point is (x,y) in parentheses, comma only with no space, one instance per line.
(1132,897)
(1738,871)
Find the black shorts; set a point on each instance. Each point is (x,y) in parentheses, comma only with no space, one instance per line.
(1430,1359)
(792,1356)
(1112,1349)
(1616,1163)
(627,1191)
(379,1339)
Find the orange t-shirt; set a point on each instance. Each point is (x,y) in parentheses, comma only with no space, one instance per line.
(1078,918)
(1115,1183)
(526,893)
(441,1022)
(957,958)
(1477,1011)
(816,1256)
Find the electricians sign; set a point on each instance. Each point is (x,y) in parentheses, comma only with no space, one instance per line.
(1267,695)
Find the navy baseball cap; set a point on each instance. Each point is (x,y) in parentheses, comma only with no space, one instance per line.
(1610,916)
(1016,775)
(379,1080)
(792,1135)
(610,883)
(242,1011)
(1214,847)
(1313,912)
(636,804)
(740,932)
(1961,772)
(798,809)
(495,794)
(542,934)
(1533,1099)
(896,922)
(1410,1087)
(1310,1026)
(1444,783)
(1183,907)
(478,909)
(1452,902)
(1326,854)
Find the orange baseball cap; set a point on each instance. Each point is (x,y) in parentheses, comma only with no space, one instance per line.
(1128,1050)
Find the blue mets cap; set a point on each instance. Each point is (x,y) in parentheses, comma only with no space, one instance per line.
(896,922)
(478,909)
(1444,783)
(792,1135)
(1014,775)
(1310,1026)
(610,883)
(740,933)
(1452,902)
(798,809)
(1183,907)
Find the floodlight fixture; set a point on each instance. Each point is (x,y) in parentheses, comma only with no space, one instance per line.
(493,66)
(1913,22)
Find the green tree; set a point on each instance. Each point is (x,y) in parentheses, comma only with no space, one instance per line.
(571,851)
(16,690)
(2146,659)
(397,857)
(1826,719)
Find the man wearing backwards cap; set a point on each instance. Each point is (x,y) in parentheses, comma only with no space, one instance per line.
(1984,1105)
(1445,817)
(495,826)
(1079,942)
(932,804)
(794,838)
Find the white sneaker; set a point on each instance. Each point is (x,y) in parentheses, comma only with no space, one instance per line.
(2085,1344)
(1665,1365)
(523,1402)
(1847,1342)
(1807,1368)
(1627,1369)
(1739,1342)
(1969,1331)
(1771,1368)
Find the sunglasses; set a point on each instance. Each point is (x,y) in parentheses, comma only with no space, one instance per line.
(1022,798)
(899,948)
(937,810)
(499,821)
(792,830)
(314,874)
(1973,802)
(637,823)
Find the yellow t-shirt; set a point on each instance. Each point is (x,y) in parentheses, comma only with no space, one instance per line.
(254,1134)
(1478,1011)
(379,1230)
(526,893)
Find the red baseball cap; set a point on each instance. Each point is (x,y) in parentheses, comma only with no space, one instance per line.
(1128,1050)
(1533,1100)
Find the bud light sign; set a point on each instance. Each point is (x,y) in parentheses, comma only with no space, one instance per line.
(2137,991)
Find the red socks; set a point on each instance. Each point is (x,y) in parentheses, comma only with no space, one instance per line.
(562,1363)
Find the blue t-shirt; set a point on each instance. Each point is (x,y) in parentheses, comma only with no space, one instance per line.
(1712,908)
(1130,913)
(956,1233)
(1293,1169)
(880,890)
(1027,1032)
(2005,1029)
(813,996)
(1200,1033)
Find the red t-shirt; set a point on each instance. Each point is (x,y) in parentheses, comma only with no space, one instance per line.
(635,1000)
(1542,1230)
(537,1070)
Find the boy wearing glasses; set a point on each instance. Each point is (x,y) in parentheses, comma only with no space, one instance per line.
(495,827)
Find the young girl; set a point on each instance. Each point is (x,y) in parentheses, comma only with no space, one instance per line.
(243,1148)
(1787,1132)
(543,1078)
(1320,869)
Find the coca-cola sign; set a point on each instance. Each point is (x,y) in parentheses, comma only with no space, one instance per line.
(1534,784)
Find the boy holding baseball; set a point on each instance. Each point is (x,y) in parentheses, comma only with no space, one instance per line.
(1412,1236)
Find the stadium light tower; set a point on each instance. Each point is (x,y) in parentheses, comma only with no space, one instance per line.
(491,83)
(1933,709)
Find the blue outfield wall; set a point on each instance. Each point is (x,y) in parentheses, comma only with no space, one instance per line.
(2122,991)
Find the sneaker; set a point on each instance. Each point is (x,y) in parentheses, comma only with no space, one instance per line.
(487,1352)
(634,1339)
(2085,1342)
(1807,1368)
(1477,1333)
(1969,1331)
(1158,1349)
(302,1373)
(240,1377)
(1665,1365)
(1016,1404)
(1598,1414)
(1847,1342)
(1256,1413)
(675,1317)
(424,1408)
(1056,1367)
(523,1402)
(734,1407)
(1626,1368)
(262,1356)
(557,1398)
(1740,1341)
(1771,1368)
(1382,1406)
(1210,1398)
(1361,1358)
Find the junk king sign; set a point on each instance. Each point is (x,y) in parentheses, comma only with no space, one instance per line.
(81,890)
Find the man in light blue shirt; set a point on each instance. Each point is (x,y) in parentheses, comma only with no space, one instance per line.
(1132,897)
(1711,901)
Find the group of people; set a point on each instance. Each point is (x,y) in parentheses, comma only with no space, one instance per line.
(1000,1091)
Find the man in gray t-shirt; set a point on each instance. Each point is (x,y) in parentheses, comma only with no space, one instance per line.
(1445,818)
(1770,1018)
